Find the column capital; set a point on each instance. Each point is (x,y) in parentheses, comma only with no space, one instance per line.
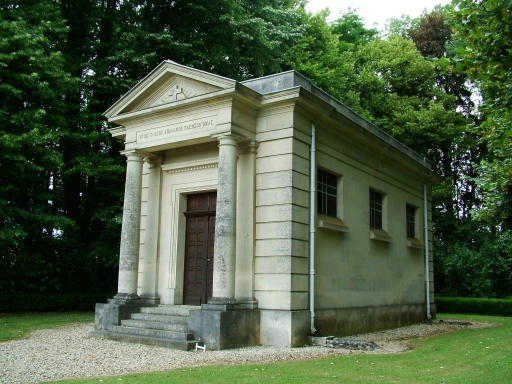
(248,147)
(154,160)
(135,153)
(228,139)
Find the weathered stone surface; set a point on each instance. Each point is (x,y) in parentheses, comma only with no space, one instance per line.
(220,330)
(107,315)
(130,232)
(225,225)
(358,345)
(162,326)
(285,328)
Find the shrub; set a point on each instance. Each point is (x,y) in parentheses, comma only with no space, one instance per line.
(482,270)
(497,307)
(45,303)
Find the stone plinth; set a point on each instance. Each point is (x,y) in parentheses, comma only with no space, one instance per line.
(225,329)
(107,315)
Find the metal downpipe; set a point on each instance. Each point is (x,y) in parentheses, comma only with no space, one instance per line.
(312,190)
(427,269)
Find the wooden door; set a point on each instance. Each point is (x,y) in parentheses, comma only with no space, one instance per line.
(200,239)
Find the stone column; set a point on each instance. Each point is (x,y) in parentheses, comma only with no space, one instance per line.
(149,280)
(246,196)
(130,232)
(225,224)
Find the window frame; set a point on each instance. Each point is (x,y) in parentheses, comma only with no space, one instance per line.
(376,210)
(410,220)
(412,211)
(326,192)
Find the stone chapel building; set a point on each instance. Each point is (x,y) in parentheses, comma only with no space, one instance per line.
(261,212)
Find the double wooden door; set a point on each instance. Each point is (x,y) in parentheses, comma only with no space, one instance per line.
(199,256)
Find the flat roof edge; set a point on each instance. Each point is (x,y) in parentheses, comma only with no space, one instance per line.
(292,79)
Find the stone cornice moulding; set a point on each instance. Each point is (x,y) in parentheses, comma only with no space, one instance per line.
(192,102)
(190,166)
(118,132)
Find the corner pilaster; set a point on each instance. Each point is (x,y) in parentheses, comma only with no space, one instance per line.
(246,201)
(149,277)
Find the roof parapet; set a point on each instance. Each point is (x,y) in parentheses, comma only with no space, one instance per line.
(293,79)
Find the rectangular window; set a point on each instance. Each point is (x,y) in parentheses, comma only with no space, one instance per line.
(327,185)
(376,209)
(411,221)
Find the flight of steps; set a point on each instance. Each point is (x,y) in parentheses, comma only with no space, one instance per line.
(164,326)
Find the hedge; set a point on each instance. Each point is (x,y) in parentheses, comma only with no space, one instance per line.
(45,303)
(497,307)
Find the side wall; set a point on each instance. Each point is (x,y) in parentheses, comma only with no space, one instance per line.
(364,283)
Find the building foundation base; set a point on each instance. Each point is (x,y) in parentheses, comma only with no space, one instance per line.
(225,328)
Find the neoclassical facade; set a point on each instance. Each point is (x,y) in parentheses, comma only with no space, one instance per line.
(267,209)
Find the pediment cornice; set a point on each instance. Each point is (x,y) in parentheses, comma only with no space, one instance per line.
(168,83)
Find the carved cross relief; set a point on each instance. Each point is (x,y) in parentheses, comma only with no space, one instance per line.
(176,93)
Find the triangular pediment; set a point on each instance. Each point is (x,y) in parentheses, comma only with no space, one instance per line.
(168,83)
(168,89)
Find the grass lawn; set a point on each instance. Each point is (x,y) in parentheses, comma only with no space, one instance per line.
(470,356)
(18,325)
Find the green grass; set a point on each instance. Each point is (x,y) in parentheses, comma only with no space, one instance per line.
(18,325)
(469,356)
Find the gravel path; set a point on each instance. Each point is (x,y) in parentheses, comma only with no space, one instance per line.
(68,352)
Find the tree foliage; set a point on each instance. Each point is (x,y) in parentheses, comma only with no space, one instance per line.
(483,30)
(62,63)
(33,86)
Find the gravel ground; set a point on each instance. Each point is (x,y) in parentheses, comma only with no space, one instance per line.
(68,352)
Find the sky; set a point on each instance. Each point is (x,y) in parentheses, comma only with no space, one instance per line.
(376,11)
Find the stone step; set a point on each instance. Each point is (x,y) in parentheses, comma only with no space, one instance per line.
(160,318)
(170,310)
(183,345)
(172,326)
(153,333)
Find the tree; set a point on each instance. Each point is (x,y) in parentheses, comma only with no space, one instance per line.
(483,30)
(433,38)
(351,31)
(32,121)
(400,26)
(317,56)
(65,62)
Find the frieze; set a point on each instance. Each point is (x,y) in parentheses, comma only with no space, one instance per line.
(191,166)
(174,132)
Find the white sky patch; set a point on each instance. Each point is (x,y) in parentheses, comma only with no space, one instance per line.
(376,11)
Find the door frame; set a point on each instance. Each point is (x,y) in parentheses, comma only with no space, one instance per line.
(207,270)
(179,181)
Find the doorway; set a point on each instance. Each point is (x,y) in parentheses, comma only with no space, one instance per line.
(199,247)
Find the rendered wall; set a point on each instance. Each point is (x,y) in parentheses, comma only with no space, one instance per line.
(364,284)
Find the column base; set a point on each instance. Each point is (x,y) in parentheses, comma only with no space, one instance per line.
(247,303)
(150,299)
(126,298)
(220,304)
(218,307)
